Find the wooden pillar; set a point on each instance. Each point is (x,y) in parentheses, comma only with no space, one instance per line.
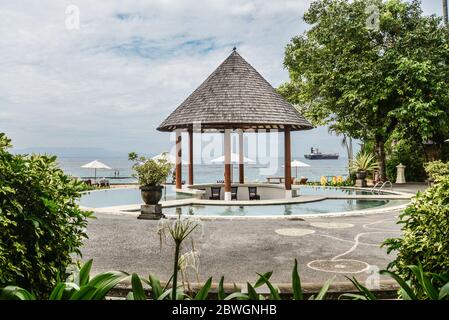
(191,156)
(241,162)
(178,160)
(227,158)
(287,164)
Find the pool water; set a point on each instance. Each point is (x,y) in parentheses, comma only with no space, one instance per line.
(131,196)
(319,207)
(118,197)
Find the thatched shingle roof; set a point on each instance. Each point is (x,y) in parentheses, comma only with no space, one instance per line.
(235,96)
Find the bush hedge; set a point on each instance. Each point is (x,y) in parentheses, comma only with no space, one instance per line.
(437,170)
(41,224)
(425,237)
(411,156)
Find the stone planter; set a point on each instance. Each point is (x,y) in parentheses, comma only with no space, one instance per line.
(151,195)
(361,175)
(361,179)
(151,210)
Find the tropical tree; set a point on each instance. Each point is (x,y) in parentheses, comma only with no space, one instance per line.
(372,67)
(346,142)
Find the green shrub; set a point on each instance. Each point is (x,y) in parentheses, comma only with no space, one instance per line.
(364,162)
(411,156)
(425,238)
(150,172)
(437,170)
(41,224)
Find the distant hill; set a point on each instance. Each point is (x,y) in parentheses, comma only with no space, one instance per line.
(67,152)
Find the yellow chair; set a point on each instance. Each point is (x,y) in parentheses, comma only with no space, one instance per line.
(323,181)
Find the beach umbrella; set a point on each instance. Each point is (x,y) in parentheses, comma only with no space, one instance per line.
(234,159)
(165,156)
(96,165)
(298,164)
(168,157)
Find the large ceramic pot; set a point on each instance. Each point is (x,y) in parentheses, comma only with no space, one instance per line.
(151,194)
(361,175)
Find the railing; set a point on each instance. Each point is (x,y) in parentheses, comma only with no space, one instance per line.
(382,186)
(375,186)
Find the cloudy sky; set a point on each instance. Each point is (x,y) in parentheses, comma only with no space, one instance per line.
(111,82)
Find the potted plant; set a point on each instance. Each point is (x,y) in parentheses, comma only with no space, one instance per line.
(151,175)
(363,163)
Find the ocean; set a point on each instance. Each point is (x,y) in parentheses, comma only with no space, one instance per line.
(206,173)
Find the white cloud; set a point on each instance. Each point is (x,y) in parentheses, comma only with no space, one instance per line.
(110,83)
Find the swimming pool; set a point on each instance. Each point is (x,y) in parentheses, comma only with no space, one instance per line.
(131,196)
(120,197)
(318,207)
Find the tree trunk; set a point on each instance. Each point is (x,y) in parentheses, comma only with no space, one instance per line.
(445,13)
(351,150)
(380,152)
(348,152)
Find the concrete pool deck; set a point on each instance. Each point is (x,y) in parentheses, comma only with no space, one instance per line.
(238,248)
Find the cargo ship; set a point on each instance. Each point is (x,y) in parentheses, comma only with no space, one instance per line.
(315,154)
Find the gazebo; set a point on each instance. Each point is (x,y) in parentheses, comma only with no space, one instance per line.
(234,98)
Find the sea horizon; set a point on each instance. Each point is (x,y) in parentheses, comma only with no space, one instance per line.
(207,172)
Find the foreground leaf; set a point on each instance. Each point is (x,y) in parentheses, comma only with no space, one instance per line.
(362,289)
(84,293)
(58,292)
(221,291)
(296,283)
(263,278)
(136,284)
(252,294)
(424,281)
(204,292)
(274,291)
(322,293)
(83,278)
(444,292)
(409,294)
(237,296)
(156,288)
(15,293)
(104,282)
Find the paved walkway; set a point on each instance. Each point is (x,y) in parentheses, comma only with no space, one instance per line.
(238,248)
